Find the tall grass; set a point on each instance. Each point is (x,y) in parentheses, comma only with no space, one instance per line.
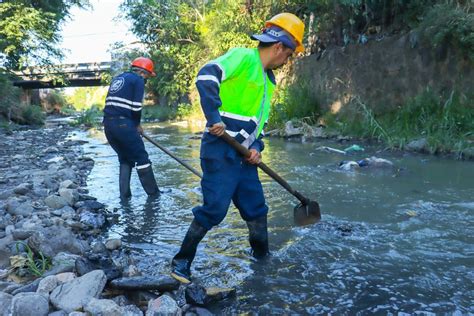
(446,122)
(89,118)
(294,101)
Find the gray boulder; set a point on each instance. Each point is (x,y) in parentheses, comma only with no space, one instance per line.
(55,201)
(29,304)
(73,295)
(5,303)
(103,308)
(419,145)
(52,240)
(163,305)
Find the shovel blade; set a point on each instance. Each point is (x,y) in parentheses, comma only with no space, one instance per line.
(307,214)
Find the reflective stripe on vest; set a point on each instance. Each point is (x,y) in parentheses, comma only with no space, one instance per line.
(245,90)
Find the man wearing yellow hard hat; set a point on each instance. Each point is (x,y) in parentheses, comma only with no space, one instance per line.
(235,91)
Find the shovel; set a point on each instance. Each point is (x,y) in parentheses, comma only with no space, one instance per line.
(305,213)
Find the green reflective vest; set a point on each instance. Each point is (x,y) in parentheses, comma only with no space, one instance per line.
(245,88)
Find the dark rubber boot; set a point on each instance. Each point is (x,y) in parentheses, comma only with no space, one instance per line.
(258,237)
(147,178)
(181,263)
(124,180)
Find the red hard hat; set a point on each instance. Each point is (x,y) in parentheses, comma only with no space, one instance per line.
(144,63)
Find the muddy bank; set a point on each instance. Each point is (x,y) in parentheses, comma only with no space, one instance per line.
(52,256)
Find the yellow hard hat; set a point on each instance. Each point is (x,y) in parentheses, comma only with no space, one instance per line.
(292,24)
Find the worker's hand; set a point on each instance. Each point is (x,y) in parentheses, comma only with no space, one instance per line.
(217,129)
(140,129)
(255,157)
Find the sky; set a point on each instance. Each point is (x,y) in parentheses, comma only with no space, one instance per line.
(88,34)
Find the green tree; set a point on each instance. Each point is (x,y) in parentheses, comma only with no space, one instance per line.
(29,30)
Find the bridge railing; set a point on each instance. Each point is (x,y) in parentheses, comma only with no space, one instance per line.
(65,69)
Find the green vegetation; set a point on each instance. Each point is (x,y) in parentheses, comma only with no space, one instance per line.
(294,101)
(29,30)
(447,24)
(158,113)
(87,97)
(90,117)
(183,35)
(447,123)
(36,263)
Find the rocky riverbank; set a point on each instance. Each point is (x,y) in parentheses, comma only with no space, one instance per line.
(53,258)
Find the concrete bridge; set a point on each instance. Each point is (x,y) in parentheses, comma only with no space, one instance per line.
(68,75)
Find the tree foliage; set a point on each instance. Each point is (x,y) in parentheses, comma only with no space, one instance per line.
(182,35)
(29,30)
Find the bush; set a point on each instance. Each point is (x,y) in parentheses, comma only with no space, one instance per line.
(158,113)
(446,122)
(90,117)
(445,24)
(189,112)
(55,101)
(9,95)
(294,101)
(33,115)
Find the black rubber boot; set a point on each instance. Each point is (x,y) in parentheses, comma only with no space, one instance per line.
(147,178)
(124,180)
(181,263)
(258,237)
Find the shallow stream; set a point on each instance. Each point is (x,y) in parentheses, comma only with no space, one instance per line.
(392,240)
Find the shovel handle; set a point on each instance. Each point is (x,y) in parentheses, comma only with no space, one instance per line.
(246,153)
(187,166)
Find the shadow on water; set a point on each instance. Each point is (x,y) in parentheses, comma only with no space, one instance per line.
(391,240)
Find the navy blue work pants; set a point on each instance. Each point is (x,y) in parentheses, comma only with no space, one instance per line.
(124,138)
(229,180)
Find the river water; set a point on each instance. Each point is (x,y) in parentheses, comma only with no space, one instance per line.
(397,240)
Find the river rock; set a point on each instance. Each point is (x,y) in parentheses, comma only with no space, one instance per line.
(67,184)
(468,153)
(419,145)
(291,131)
(47,285)
(99,247)
(32,287)
(162,283)
(72,295)
(64,262)
(58,313)
(22,234)
(23,188)
(92,220)
(55,201)
(85,265)
(29,304)
(198,295)
(196,310)
(113,244)
(103,307)
(163,305)
(70,195)
(131,310)
(5,302)
(53,240)
(89,204)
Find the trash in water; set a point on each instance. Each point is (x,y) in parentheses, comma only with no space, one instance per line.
(366,162)
(326,148)
(354,148)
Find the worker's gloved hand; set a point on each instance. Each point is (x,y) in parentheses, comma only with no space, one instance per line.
(217,129)
(255,157)
(140,129)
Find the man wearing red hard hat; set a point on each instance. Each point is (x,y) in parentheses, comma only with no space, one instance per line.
(122,115)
